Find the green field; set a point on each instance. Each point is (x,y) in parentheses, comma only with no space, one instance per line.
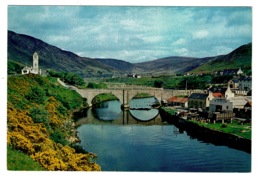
(236,128)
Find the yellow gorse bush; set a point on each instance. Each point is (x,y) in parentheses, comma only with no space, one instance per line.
(34,138)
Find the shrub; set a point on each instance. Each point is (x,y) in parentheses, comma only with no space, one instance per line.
(158,83)
(59,137)
(36,94)
(224,125)
(39,115)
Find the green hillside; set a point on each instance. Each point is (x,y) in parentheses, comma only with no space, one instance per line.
(239,58)
(40,126)
(21,48)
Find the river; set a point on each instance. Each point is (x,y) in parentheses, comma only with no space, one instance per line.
(138,140)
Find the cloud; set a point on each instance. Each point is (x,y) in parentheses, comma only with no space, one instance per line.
(181,51)
(200,34)
(180,41)
(135,33)
(58,38)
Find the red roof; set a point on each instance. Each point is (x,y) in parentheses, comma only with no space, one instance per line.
(217,94)
(177,99)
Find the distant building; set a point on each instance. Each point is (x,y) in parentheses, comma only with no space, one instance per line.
(232,72)
(245,83)
(233,83)
(133,76)
(227,105)
(221,92)
(199,100)
(33,69)
(178,101)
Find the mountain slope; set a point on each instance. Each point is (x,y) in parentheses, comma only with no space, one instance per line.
(120,65)
(172,64)
(21,48)
(239,58)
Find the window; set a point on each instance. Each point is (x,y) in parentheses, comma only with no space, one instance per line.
(227,107)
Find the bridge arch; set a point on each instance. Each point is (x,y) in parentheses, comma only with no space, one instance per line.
(157,96)
(90,94)
(118,96)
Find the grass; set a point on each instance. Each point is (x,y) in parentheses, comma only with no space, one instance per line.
(17,160)
(168,110)
(235,128)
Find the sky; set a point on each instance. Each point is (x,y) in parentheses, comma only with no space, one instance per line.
(136,33)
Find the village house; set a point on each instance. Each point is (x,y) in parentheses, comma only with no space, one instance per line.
(221,92)
(178,101)
(228,105)
(232,72)
(233,83)
(33,69)
(199,100)
(202,100)
(245,83)
(133,76)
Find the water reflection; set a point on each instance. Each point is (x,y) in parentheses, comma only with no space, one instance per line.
(144,115)
(142,142)
(110,112)
(107,111)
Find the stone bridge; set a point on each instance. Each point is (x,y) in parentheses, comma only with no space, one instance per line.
(125,95)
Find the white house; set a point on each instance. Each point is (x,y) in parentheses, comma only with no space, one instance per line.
(227,104)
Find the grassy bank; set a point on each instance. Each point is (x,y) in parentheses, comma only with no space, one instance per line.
(235,128)
(40,125)
(17,160)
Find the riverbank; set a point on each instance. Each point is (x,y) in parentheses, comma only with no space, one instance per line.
(232,134)
(40,125)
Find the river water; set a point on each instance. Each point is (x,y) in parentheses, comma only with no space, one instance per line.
(138,140)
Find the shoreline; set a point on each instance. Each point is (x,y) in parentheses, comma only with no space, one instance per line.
(205,134)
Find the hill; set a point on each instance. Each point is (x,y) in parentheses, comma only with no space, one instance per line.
(39,125)
(120,65)
(239,58)
(21,48)
(174,64)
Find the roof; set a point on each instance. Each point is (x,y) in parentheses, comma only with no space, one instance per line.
(217,94)
(245,79)
(240,100)
(217,90)
(230,71)
(248,104)
(235,80)
(198,96)
(177,99)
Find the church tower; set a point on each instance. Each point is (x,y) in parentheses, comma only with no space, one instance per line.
(35,63)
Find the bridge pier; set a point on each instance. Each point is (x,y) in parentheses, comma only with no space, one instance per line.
(125,105)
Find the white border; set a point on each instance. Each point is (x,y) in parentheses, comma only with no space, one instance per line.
(3,66)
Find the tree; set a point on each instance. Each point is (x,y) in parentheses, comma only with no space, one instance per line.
(158,83)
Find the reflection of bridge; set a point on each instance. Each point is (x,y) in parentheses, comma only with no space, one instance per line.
(125,95)
(124,118)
